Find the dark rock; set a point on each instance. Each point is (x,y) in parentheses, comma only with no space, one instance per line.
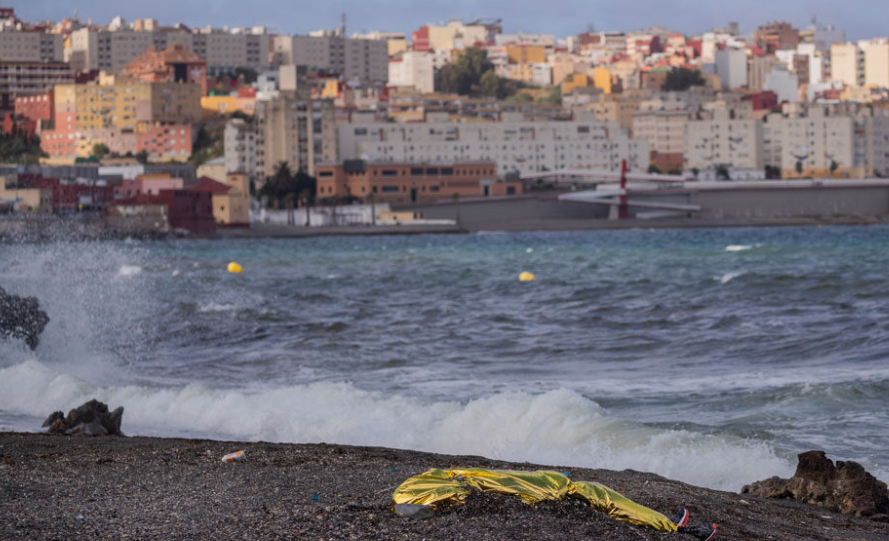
(53,417)
(90,419)
(845,487)
(21,318)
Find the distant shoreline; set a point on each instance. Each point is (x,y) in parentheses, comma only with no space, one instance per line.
(13,231)
(60,487)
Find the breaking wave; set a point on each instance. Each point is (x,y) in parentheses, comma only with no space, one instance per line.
(557,428)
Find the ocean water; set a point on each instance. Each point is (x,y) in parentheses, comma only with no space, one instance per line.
(711,356)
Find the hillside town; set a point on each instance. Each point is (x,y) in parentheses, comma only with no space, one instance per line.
(202,128)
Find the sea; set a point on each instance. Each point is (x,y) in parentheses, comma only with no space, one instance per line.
(710,356)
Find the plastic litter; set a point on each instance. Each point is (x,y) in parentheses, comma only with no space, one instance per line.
(234,457)
(526,277)
(234,268)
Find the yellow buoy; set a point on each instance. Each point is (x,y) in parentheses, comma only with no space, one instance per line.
(527,277)
(235,268)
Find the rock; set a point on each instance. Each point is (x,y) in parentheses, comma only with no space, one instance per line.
(845,487)
(414,511)
(21,318)
(90,419)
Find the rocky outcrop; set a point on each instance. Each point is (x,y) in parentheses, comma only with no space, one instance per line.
(90,419)
(845,487)
(21,318)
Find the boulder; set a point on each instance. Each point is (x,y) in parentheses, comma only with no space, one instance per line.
(844,488)
(21,318)
(90,419)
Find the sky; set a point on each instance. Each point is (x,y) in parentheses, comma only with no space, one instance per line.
(859,18)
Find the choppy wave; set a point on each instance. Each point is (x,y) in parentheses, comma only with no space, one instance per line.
(558,427)
(129,270)
(729,276)
(738,248)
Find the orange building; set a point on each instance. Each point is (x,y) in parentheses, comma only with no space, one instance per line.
(411,182)
(175,64)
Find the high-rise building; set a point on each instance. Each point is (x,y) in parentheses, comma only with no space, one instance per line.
(847,64)
(724,141)
(414,69)
(297,131)
(30,46)
(876,63)
(731,67)
(363,60)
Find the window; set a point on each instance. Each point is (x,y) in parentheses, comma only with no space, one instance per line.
(388,189)
(325,174)
(432,170)
(360,131)
(433,188)
(416,170)
(390,173)
(447,170)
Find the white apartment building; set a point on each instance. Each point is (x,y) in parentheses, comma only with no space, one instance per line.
(664,130)
(456,35)
(30,46)
(364,60)
(413,68)
(240,147)
(783,83)
(815,141)
(724,141)
(514,145)
(731,67)
(847,64)
(876,63)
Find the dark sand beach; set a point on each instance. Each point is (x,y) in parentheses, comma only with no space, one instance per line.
(58,487)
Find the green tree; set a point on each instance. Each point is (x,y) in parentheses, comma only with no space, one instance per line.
(284,186)
(553,97)
(100,150)
(833,167)
(722,172)
(524,97)
(142,157)
(679,79)
(489,85)
(799,167)
(464,76)
(654,169)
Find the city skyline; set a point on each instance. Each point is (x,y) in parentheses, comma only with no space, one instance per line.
(562,18)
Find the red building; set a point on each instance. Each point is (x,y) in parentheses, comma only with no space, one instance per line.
(420,40)
(69,197)
(37,107)
(186,209)
(763,100)
(175,64)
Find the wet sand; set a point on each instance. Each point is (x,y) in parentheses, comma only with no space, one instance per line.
(58,487)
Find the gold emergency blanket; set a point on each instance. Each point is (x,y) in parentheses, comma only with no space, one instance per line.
(436,487)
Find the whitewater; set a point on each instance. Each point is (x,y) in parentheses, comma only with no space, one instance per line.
(708,356)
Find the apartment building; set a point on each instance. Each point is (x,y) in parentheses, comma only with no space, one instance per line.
(175,64)
(112,50)
(291,129)
(815,141)
(776,36)
(412,182)
(513,144)
(414,69)
(724,141)
(847,64)
(876,63)
(240,147)
(731,67)
(125,115)
(30,78)
(364,60)
(30,46)
(665,131)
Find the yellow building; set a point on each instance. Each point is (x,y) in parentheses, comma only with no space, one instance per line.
(602,79)
(522,54)
(226,105)
(233,208)
(126,104)
(575,80)
(33,198)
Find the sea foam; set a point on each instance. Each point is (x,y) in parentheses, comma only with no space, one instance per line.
(559,427)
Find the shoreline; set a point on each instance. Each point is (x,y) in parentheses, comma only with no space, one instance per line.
(172,488)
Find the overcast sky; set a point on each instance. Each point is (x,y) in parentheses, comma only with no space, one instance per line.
(860,18)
